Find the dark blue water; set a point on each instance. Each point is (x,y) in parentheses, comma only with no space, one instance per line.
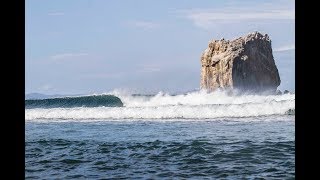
(249,148)
(70,102)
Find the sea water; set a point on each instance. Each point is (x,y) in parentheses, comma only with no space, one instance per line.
(194,135)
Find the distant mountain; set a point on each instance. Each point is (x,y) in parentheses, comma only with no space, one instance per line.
(46,96)
(41,96)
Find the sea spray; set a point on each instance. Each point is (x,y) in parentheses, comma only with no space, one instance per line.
(193,105)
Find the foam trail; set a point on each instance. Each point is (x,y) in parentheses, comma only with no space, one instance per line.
(163,112)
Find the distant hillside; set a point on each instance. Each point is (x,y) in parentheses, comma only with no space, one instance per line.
(41,96)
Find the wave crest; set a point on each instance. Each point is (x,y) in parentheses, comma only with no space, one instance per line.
(194,105)
(196,98)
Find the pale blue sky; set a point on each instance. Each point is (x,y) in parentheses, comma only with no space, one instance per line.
(94,46)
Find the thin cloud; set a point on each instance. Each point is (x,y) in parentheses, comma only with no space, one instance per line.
(285,48)
(143,24)
(55,14)
(104,75)
(148,68)
(46,87)
(206,18)
(66,56)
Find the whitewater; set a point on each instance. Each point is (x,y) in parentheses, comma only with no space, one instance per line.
(163,106)
(188,136)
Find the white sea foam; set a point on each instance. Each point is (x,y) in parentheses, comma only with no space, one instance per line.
(195,105)
(196,98)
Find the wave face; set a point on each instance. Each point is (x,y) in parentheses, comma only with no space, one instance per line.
(194,105)
(71,102)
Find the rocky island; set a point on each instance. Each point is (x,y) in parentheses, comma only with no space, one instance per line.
(245,63)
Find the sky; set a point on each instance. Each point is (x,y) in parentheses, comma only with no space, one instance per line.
(143,46)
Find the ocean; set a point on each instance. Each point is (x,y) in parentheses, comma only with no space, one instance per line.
(195,135)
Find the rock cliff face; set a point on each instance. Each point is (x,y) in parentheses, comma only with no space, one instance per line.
(245,63)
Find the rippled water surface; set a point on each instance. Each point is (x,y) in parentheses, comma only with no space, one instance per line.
(140,149)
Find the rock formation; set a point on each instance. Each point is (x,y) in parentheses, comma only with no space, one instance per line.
(278,92)
(286,92)
(245,63)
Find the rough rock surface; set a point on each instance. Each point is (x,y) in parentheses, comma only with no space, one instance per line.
(286,92)
(245,63)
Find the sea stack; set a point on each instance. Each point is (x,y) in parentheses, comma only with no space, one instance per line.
(245,63)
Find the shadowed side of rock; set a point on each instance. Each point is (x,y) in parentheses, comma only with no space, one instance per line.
(245,63)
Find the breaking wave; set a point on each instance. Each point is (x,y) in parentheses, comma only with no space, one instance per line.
(194,105)
(70,102)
